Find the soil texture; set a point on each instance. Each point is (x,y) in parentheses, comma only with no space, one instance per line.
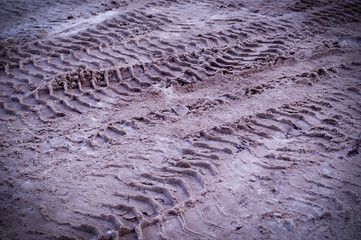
(182,119)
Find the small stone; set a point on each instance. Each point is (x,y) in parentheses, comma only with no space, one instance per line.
(325,215)
(253,178)
(180,110)
(74,85)
(289,225)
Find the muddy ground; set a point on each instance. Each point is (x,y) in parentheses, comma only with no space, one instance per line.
(180,119)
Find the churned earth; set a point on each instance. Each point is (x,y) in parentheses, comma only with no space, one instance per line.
(180,119)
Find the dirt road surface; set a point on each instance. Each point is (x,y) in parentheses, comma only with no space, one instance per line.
(180,119)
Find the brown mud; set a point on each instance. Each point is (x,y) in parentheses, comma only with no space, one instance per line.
(180,119)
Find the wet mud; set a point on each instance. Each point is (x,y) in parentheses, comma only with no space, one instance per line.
(180,120)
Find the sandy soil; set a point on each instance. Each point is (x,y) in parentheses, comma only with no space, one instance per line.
(180,119)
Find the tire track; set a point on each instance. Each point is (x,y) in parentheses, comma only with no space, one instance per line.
(273,152)
(271,134)
(144,59)
(292,170)
(334,13)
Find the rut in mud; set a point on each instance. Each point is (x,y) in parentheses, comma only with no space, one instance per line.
(183,120)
